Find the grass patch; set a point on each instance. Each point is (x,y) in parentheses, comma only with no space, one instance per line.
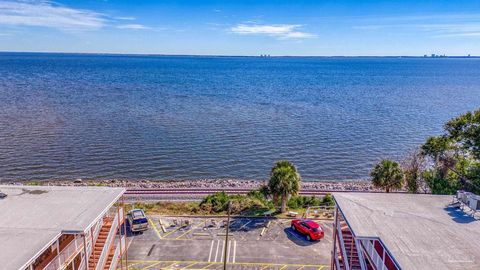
(33,183)
(168,208)
(255,203)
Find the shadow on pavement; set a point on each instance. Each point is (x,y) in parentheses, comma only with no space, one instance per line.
(298,238)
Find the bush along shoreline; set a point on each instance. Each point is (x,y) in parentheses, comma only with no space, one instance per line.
(250,205)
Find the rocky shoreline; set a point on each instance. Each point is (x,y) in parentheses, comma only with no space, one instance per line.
(351,185)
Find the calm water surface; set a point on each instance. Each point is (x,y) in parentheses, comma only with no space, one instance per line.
(91,116)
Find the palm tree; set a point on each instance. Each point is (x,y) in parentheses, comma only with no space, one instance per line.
(387,174)
(284,181)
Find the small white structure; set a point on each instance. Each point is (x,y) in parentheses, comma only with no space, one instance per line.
(468,199)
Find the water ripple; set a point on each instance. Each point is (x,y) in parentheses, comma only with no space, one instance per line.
(71,116)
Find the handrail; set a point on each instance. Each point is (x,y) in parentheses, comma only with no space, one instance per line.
(96,232)
(108,242)
(82,264)
(376,259)
(66,255)
(97,229)
(113,264)
(342,246)
(118,250)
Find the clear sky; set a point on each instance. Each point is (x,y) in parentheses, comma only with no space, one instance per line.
(242,27)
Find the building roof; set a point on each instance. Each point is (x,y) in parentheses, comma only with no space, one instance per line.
(420,231)
(33,217)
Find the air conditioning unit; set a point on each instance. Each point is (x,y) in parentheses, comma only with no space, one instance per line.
(474,202)
(464,197)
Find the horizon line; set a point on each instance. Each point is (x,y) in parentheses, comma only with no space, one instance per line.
(246,55)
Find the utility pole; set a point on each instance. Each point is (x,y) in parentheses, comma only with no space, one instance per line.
(226,238)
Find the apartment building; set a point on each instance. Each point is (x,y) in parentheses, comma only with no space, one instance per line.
(406,231)
(50,228)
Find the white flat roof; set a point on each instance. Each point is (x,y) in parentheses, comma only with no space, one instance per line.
(32,217)
(420,231)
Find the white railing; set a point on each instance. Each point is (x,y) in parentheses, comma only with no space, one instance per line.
(97,228)
(108,242)
(113,264)
(118,251)
(82,265)
(121,218)
(342,246)
(66,255)
(377,260)
(89,235)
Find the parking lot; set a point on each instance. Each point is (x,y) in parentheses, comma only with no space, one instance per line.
(254,243)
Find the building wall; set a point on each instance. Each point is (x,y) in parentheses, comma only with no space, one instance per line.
(73,251)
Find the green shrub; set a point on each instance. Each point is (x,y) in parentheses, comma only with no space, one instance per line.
(216,203)
(33,183)
(256,194)
(328,199)
(253,202)
(296,202)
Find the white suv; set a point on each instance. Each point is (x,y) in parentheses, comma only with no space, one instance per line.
(138,220)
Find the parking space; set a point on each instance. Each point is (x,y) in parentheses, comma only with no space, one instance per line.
(254,243)
(158,265)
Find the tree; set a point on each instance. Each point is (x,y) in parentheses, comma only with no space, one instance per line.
(465,131)
(284,182)
(414,166)
(440,184)
(455,155)
(387,174)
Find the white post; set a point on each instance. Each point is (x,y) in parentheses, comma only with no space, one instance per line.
(342,247)
(383,258)
(360,254)
(58,254)
(85,251)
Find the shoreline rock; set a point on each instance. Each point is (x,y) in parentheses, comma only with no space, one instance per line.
(353,185)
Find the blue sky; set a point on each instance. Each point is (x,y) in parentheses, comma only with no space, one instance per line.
(242,27)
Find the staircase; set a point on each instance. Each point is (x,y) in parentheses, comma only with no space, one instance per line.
(99,244)
(111,252)
(350,248)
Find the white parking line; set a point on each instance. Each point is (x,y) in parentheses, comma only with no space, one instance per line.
(223,248)
(216,252)
(228,250)
(234,251)
(211,249)
(243,226)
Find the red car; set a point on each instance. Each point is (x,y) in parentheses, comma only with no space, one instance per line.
(310,228)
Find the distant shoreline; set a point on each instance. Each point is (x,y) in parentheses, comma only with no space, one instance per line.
(244,56)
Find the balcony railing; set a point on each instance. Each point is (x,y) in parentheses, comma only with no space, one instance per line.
(108,242)
(66,255)
(72,249)
(118,251)
(378,260)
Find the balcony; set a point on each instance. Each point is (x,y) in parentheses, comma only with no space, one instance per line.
(66,254)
